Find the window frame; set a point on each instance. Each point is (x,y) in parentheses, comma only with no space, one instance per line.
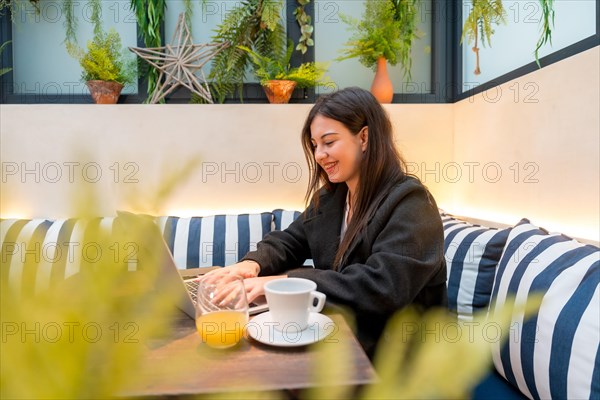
(446,65)
(554,57)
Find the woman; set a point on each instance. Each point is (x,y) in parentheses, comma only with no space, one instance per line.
(373,232)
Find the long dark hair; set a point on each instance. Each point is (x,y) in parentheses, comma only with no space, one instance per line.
(381,167)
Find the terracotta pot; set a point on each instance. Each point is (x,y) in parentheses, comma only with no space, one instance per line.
(382,87)
(104,92)
(279,92)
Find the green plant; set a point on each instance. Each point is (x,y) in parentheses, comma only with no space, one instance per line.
(547,21)
(422,355)
(306,28)
(306,75)
(255,24)
(387,29)
(484,13)
(88,332)
(189,13)
(71,21)
(12,5)
(150,16)
(4,70)
(104,59)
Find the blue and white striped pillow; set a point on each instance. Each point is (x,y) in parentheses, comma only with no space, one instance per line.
(283,218)
(472,253)
(213,240)
(556,353)
(37,252)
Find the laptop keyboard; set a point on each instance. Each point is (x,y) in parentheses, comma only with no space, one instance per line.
(192,288)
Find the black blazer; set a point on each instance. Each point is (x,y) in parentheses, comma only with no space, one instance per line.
(398,260)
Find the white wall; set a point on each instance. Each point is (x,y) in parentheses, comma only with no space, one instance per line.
(250,155)
(550,129)
(545,126)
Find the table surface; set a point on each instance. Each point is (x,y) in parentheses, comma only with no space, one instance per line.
(182,364)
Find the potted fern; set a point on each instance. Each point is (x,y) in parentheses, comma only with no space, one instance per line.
(384,35)
(106,66)
(279,79)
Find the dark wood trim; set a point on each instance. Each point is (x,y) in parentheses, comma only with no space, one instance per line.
(6,59)
(455,32)
(293,31)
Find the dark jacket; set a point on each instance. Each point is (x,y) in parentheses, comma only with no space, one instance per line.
(398,260)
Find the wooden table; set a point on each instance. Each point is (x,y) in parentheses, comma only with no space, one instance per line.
(182,364)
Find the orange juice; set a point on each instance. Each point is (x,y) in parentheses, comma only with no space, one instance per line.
(221,329)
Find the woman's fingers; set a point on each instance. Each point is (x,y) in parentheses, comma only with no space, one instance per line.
(214,275)
(229,291)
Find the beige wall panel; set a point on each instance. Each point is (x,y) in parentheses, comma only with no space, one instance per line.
(250,157)
(542,133)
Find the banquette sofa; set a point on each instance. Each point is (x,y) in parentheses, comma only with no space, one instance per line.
(553,354)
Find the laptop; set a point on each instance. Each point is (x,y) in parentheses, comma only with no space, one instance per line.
(185,281)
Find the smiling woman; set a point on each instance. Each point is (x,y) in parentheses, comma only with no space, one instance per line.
(373,232)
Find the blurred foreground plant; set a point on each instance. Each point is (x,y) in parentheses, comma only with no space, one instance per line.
(82,332)
(428,355)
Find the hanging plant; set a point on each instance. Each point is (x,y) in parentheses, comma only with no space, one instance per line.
(71,21)
(484,14)
(189,13)
(405,12)
(547,22)
(150,15)
(306,28)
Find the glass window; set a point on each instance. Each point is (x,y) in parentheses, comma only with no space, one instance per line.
(41,64)
(331,33)
(207,15)
(513,44)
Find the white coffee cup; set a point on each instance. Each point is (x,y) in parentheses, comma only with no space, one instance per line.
(291,300)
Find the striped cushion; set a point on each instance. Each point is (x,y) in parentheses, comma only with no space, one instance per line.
(213,240)
(556,353)
(472,253)
(283,218)
(37,252)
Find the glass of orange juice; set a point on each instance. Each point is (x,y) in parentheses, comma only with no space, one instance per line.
(222,312)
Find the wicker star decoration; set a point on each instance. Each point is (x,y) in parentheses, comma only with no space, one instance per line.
(179,62)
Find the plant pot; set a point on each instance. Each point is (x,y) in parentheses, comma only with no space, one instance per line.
(382,87)
(279,91)
(104,92)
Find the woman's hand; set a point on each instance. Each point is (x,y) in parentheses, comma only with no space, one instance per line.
(255,287)
(245,269)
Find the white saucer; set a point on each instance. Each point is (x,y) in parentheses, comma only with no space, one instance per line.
(261,328)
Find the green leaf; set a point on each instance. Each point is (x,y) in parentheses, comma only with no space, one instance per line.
(271,13)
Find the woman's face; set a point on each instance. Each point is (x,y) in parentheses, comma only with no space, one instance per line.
(337,150)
